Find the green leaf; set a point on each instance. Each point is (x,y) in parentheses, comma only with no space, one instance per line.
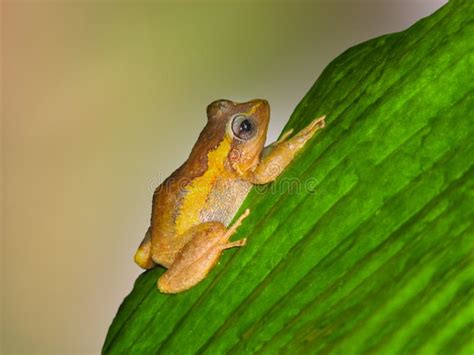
(372,248)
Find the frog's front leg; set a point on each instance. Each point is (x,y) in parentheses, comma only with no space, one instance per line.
(278,155)
(199,255)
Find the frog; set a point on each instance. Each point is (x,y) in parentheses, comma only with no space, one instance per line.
(193,208)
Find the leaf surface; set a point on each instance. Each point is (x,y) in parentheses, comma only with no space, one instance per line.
(366,242)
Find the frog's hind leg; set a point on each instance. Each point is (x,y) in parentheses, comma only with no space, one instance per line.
(199,255)
(143,253)
(238,243)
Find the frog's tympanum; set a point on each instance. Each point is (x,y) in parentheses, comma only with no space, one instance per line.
(192,209)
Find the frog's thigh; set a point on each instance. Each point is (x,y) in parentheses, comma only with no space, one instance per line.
(143,253)
(198,257)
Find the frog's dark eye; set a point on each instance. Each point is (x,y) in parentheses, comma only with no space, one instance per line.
(244,127)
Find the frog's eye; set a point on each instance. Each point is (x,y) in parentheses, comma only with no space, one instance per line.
(244,127)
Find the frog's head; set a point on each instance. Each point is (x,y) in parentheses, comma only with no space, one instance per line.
(246,126)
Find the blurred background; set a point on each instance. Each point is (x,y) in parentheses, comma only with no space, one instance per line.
(101,101)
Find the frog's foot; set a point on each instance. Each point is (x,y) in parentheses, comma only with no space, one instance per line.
(143,253)
(235,226)
(306,133)
(316,124)
(237,243)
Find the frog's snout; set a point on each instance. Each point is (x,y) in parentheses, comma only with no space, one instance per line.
(260,103)
(261,107)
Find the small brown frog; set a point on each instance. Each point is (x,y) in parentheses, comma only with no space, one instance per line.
(193,208)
